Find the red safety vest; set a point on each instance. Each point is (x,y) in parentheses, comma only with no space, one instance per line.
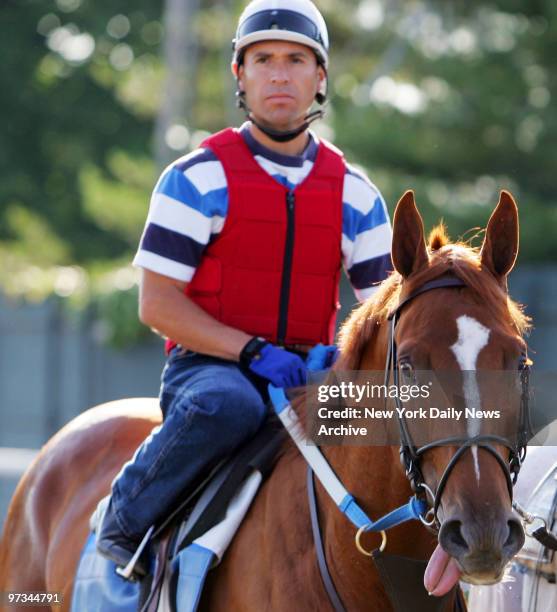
(273,270)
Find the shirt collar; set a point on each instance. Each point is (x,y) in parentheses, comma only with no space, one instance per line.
(295,161)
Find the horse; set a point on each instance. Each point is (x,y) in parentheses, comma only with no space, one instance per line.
(271,563)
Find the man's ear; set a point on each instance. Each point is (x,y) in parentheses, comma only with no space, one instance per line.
(321,76)
(239,74)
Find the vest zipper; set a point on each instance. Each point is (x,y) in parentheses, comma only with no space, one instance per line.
(286,268)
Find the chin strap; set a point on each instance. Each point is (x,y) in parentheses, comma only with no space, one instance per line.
(278,135)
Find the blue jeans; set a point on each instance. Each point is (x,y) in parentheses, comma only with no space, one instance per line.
(209,408)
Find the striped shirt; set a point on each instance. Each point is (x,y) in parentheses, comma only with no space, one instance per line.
(190,202)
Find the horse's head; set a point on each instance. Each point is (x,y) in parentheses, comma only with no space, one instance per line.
(469,328)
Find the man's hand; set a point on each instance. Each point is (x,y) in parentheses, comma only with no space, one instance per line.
(278,366)
(322,357)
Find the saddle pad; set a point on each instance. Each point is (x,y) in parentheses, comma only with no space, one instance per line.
(97,586)
(191,565)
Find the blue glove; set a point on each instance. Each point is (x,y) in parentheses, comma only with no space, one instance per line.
(281,368)
(322,356)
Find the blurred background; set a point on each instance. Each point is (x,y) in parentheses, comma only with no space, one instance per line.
(453,99)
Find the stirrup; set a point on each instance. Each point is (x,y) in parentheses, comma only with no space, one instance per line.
(127,572)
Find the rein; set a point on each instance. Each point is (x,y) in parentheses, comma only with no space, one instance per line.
(344,500)
(318,465)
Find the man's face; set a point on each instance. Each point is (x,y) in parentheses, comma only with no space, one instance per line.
(280,80)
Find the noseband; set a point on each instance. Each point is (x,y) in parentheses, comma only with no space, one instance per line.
(411,455)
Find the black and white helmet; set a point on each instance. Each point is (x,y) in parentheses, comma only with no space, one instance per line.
(296,21)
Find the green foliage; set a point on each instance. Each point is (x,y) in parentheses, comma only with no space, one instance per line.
(33,237)
(81,78)
(117,311)
(116,202)
(454,99)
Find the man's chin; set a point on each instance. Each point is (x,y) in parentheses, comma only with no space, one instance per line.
(282,122)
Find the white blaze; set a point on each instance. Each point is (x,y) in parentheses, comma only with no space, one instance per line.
(472,337)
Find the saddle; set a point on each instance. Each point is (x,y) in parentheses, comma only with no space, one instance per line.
(189,542)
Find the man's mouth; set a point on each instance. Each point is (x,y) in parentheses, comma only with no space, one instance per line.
(280,97)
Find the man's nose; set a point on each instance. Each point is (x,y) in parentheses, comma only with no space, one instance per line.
(280,75)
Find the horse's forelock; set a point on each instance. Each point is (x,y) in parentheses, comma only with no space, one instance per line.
(438,237)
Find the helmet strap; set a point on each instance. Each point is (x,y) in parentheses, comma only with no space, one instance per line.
(279,135)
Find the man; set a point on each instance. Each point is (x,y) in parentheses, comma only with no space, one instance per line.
(241,255)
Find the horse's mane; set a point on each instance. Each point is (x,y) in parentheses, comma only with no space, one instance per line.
(459,259)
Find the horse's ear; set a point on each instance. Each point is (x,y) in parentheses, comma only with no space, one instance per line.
(500,246)
(409,252)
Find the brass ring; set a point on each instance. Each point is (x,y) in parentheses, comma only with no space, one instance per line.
(428,490)
(362,549)
(430,523)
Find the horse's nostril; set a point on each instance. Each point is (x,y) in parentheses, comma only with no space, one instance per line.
(451,538)
(515,539)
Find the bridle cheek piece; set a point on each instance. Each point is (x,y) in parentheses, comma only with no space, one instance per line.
(411,455)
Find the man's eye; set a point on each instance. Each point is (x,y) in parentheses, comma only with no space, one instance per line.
(261,60)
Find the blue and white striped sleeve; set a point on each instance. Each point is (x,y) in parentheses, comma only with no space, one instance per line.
(366,234)
(188,208)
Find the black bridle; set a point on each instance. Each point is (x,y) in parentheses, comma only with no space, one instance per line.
(411,455)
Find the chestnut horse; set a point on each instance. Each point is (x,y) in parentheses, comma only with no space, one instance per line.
(271,564)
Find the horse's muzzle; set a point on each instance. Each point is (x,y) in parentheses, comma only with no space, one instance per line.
(482,549)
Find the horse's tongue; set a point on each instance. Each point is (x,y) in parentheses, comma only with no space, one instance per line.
(441,573)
